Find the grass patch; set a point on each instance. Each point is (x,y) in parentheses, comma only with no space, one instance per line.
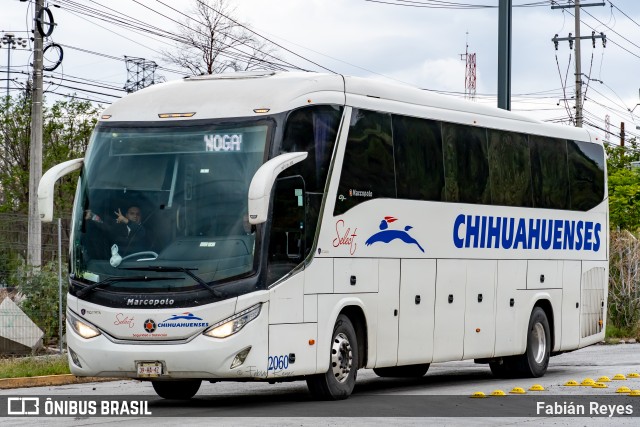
(34,366)
(615,332)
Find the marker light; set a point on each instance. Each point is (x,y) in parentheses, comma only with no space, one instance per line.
(261,110)
(105,116)
(175,115)
(233,324)
(82,328)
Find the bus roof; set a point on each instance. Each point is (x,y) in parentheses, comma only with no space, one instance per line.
(245,92)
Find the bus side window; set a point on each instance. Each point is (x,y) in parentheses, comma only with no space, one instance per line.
(549,172)
(586,175)
(466,164)
(417,147)
(510,169)
(286,242)
(368,167)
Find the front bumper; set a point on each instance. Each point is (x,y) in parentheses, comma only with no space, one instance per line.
(202,357)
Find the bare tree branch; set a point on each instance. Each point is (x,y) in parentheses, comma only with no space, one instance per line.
(212,43)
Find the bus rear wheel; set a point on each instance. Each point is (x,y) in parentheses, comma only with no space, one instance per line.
(534,362)
(408,371)
(338,382)
(176,390)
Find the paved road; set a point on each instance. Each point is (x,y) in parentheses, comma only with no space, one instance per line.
(378,401)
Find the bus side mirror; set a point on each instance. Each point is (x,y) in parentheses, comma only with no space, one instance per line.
(47,184)
(262,183)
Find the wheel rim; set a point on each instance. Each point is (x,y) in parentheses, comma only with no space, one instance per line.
(341,357)
(538,343)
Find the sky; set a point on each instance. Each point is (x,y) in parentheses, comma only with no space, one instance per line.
(397,40)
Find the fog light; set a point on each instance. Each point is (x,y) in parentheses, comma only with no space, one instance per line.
(75,358)
(240,357)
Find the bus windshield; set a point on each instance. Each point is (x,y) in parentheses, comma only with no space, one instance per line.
(172,197)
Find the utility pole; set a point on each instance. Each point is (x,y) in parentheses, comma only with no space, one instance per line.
(11,42)
(578,68)
(34,236)
(622,134)
(504,54)
(577,39)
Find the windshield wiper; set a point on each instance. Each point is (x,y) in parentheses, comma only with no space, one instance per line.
(114,279)
(172,269)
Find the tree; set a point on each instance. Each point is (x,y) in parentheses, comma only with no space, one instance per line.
(621,157)
(67,127)
(212,41)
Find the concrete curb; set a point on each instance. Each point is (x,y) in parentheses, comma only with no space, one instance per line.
(49,380)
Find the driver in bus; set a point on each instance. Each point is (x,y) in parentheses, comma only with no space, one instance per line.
(127,232)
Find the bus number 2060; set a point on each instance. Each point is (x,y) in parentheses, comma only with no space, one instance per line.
(278,362)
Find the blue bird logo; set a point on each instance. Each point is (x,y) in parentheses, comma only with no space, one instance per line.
(386,235)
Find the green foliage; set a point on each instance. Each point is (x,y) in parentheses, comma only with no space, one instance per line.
(9,262)
(625,332)
(624,198)
(67,127)
(621,157)
(40,303)
(34,366)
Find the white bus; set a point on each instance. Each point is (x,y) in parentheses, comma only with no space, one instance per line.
(300,226)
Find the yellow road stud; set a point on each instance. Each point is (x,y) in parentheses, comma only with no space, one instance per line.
(604,379)
(517,390)
(498,393)
(572,383)
(536,387)
(619,377)
(634,393)
(600,385)
(588,382)
(478,394)
(633,375)
(623,389)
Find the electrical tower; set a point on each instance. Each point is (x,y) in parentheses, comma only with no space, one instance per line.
(140,73)
(607,128)
(469,74)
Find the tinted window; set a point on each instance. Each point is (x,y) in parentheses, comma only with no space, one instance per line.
(314,130)
(510,169)
(586,174)
(368,169)
(549,172)
(465,164)
(418,154)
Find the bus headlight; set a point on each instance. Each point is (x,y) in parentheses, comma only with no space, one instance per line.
(233,324)
(82,328)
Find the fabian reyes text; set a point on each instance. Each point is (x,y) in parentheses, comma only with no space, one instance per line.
(594,408)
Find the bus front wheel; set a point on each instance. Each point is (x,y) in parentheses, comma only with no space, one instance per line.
(176,390)
(534,362)
(338,382)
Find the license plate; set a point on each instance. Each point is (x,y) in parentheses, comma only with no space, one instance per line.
(149,369)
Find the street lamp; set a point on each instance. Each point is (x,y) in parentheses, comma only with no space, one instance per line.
(10,41)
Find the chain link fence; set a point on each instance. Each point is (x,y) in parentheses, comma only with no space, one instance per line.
(30,315)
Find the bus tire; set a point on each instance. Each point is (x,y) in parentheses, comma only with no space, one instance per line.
(338,382)
(534,362)
(176,390)
(407,371)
